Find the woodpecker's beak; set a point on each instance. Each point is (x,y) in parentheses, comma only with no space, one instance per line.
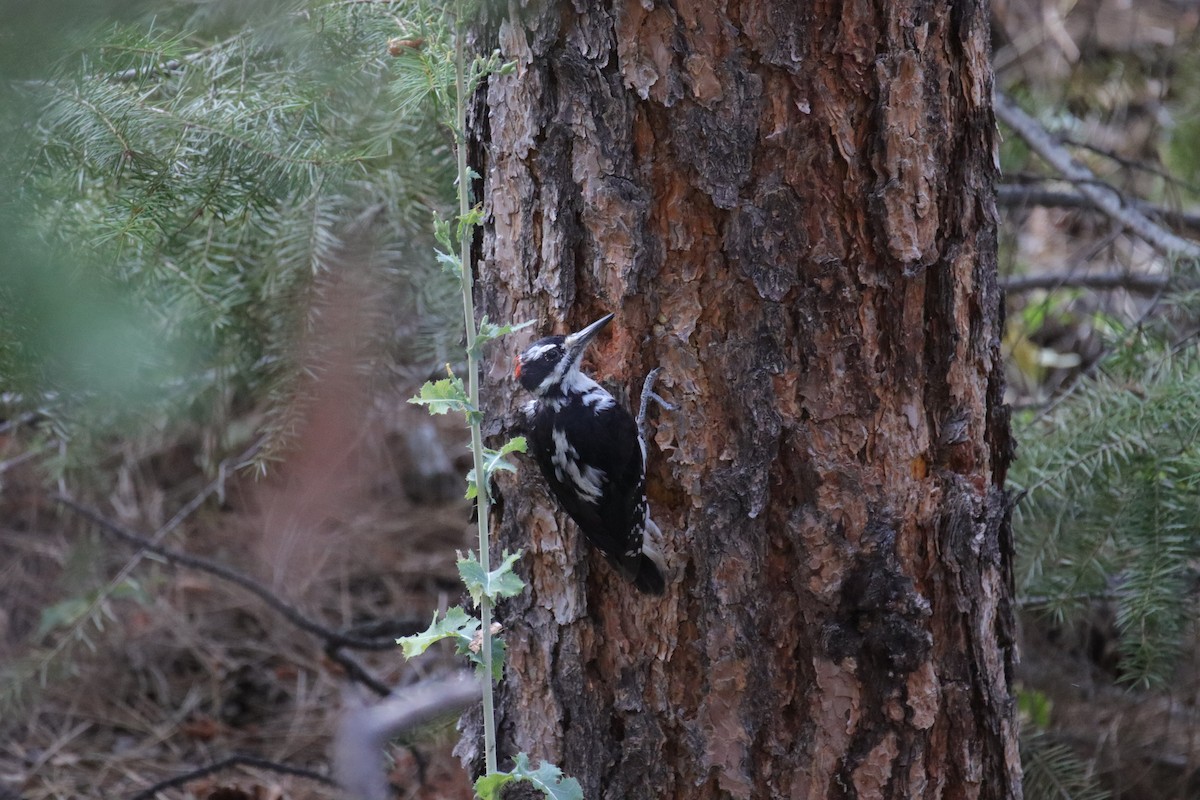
(576,343)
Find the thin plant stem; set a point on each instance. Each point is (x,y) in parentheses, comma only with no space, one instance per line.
(482,499)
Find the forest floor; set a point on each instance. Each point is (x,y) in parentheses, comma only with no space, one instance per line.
(104,694)
(176,668)
(119,672)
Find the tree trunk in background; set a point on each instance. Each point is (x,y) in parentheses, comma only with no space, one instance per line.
(790,208)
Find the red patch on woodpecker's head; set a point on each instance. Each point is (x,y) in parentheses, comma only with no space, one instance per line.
(517,368)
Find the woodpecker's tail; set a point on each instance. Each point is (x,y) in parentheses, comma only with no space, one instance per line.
(649,576)
(650,569)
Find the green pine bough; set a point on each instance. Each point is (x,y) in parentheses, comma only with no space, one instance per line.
(475,637)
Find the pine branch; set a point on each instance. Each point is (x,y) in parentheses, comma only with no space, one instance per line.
(210,196)
(1052,771)
(1111,487)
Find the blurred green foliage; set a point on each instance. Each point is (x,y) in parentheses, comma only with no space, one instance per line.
(1181,153)
(180,185)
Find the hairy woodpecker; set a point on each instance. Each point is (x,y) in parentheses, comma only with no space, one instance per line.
(591,453)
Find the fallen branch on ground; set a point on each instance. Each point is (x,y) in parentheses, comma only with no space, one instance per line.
(386,631)
(363,732)
(229,763)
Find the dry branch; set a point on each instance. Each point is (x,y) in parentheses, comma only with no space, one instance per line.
(1104,197)
(362,733)
(228,763)
(334,640)
(1019,195)
(1140,284)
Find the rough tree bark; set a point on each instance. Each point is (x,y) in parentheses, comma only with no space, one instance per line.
(790,208)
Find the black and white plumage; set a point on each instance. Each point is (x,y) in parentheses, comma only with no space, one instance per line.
(591,454)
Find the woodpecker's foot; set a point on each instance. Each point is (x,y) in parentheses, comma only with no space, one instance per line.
(648,395)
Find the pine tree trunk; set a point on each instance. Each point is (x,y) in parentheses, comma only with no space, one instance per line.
(790,209)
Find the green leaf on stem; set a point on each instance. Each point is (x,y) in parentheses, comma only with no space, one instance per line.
(494,460)
(500,582)
(441,232)
(489,331)
(499,650)
(457,624)
(445,395)
(449,262)
(464,630)
(467,222)
(547,778)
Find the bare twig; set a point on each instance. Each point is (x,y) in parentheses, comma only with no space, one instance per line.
(355,670)
(288,611)
(215,486)
(17,421)
(363,732)
(1018,195)
(1104,197)
(228,763)
(18,460)
(1131,163)
(1140,284)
